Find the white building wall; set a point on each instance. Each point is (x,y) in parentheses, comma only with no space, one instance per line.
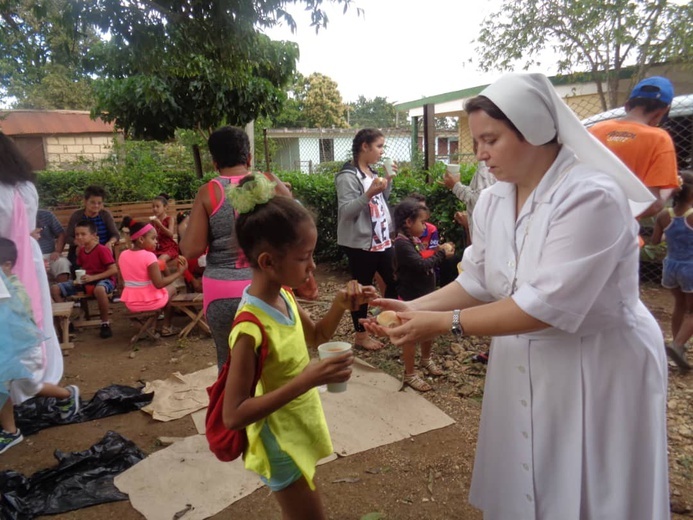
(62,151)
(287,156)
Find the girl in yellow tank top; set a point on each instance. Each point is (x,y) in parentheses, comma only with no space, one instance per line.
(287,432)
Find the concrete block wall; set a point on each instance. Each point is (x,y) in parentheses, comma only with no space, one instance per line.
(63,151)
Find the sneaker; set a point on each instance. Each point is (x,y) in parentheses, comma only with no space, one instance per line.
(678,356)
(7,439)
(481,357)
(106,331)
(70,406)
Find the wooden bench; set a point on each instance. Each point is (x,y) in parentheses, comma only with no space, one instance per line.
(137,210)
(61,313)
(192,305)
(147,325)
(86,320)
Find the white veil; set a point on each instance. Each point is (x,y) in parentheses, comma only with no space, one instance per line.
(533,105)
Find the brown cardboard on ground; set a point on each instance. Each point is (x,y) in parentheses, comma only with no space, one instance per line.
(179,395)
(371,413)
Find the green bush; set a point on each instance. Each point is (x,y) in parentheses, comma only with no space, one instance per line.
(135,171)
(138,171)
(318,193)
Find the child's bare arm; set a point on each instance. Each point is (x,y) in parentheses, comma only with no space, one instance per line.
(659,226)
(167,230)
(347,299)
(162,281)
(240,409)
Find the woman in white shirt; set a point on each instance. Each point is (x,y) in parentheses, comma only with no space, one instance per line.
(573,422)
(18,207)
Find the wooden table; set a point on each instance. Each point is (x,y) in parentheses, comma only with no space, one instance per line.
(62,312)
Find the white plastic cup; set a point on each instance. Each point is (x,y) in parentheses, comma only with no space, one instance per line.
(387,162)
(333,349)
(452,168)
(78,275)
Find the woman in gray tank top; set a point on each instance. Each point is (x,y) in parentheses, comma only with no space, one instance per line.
(211,229)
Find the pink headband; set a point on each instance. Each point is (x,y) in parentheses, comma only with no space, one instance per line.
(146,229)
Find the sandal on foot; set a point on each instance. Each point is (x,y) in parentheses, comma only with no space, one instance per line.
(168,331)
(678,356)
(428,366)
(415,382)
(370,344)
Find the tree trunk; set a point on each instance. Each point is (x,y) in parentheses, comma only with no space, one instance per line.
(198,161)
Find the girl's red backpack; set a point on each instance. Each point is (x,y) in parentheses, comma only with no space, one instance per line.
(228,444)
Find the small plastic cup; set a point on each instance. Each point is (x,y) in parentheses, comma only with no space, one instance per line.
(78,275)
(452,168)
(387,163)
(332,349)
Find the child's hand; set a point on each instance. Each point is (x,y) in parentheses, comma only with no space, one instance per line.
(450,179)
(182,264)
(395,169)
(461,218)
(378,185)
(354,295)
(371,324)
(332,370)
(448,248)
(154,221)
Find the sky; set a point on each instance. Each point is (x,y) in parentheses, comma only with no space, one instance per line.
(399,49)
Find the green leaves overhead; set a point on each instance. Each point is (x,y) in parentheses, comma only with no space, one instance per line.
(599,37)
(155,65)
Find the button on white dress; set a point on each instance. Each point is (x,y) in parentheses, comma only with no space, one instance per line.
(573,423)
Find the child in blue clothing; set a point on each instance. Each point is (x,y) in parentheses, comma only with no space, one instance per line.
(22,360)
(284,420)
(676,224)
(416,277)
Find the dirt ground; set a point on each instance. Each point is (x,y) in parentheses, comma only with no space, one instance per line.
(426,476)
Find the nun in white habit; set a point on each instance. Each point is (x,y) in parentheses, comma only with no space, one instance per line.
(573,423)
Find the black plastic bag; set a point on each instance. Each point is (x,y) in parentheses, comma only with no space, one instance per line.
(80,479)
(38,413)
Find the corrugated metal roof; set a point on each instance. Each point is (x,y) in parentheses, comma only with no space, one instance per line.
(51,122)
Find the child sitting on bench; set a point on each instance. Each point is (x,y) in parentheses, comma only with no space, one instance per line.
(97,260)
(145,287)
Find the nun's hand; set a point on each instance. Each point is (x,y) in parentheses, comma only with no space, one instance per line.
(386,304)
(418,326)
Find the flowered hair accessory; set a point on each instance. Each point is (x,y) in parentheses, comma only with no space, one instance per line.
(245,197)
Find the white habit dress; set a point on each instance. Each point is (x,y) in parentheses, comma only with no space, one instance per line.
(573,423)
(50,368)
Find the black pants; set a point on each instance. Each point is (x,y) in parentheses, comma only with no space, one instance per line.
(363,266)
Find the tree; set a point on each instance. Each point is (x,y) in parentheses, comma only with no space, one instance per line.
(48,52)
(291,114)
(600,37)
(372,113)
(194,64)
(323,105)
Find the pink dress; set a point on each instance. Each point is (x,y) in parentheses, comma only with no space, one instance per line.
(139,294)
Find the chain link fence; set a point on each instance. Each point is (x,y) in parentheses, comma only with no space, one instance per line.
(679,124)
(320,150)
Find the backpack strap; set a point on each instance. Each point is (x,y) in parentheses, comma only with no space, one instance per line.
(245,316)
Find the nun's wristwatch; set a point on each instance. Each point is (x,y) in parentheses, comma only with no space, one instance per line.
(456,328)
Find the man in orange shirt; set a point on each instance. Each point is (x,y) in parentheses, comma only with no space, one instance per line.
(647,150)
